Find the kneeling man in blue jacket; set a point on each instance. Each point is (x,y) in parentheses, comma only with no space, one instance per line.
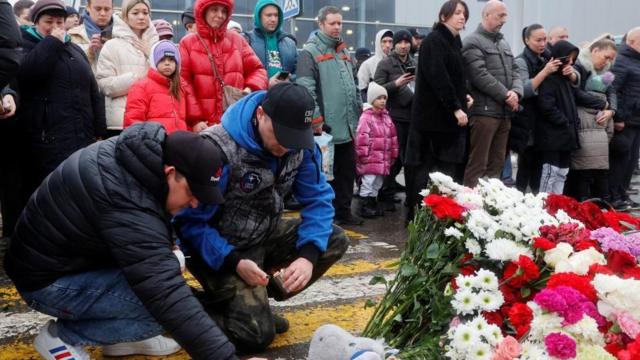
(236,248)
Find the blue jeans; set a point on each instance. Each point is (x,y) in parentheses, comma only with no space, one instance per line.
(94,308)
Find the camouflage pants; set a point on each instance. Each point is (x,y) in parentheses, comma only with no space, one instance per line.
(242,311)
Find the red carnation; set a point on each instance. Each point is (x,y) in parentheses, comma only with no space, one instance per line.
(494,318)
(620,261)
(632,273)
(599,269)
(444,208)
(585,244)
(520,317)
(543,244)
(520,273)
(632,352)
(580,283)
(614,348)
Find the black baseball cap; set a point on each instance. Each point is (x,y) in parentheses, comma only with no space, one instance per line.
(199,160)
(415,33)
(290,107)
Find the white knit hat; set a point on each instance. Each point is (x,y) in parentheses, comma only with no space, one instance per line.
(375,91)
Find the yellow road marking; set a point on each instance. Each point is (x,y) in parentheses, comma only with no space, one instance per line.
(359,267)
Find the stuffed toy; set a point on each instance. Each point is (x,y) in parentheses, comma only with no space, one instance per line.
(331,342)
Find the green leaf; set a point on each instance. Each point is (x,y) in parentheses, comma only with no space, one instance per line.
(525,292)
(369,303)
(408,270)
(433,251)
(378,279)
(397,318)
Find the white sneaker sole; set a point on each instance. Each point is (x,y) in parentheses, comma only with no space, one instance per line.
(125,350)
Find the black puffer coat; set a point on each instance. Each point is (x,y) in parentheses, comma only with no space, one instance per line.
(557,128)
(627,84)
(104,207)
(61,107)
(9,41)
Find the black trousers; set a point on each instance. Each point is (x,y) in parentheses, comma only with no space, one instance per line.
(621,165)
(344,175)
(11,196)
(242,311)
(402,130)
(529,170)
(588,184)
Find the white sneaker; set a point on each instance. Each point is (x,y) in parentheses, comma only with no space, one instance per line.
(53,348)
(155,346)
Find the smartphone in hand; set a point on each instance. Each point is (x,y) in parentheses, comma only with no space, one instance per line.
(283,75)
(411,70)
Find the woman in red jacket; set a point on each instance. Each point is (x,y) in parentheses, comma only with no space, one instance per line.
(162,96)
(234,59)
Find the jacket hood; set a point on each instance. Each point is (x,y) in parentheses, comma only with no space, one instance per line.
(237,120)
(587,62)
(122,30)
(139,151)
(379,53)
(627,50)
(257,24)
(563,48)
(203,28)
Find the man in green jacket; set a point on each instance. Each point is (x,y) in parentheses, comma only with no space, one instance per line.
(328,72)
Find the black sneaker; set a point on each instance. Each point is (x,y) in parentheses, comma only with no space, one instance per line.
(620,205)
(349,220)
(280,323)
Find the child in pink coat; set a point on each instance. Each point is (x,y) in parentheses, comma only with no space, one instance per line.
(376,148)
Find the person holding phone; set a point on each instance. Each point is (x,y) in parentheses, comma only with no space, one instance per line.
(275,48)
(95,30)
(396,73)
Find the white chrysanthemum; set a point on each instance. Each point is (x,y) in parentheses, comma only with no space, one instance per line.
(486,280)
(464,302)
(533,351)
(469,199)
(506,250)
(425,192)
(464,337)
(453,232)
(479,324)
(564,218)
(560,253)
(465,282)
(593,352)
(473,247)
(480,351)
(493,334)
(489,301)
(445,184)
(544,324)
(586,332)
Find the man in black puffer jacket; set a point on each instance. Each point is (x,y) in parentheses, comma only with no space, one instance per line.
(9,40)
(93,247)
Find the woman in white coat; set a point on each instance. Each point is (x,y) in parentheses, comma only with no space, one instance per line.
(124,59)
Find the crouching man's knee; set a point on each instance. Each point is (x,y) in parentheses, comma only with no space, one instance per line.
(251,335)
(337,245)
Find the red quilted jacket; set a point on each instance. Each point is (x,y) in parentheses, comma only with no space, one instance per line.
(235,60)
(150,100)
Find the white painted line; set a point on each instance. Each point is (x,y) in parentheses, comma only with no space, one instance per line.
(27,323)
(327,289)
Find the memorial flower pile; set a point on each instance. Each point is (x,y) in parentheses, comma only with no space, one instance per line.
(492,273)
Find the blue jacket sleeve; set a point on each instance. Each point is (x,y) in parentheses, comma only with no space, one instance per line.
(198,236)
(314,193)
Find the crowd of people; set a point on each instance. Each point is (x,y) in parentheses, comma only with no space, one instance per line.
(121,149)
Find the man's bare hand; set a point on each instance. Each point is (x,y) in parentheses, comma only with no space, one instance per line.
(251,273)
(297,275)
(462,118)
(404,79)
(96,43)
(8,107)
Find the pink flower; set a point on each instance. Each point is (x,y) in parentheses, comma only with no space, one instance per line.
(561,346)
(508,349)
(628,324)
(454,322)
(550,300)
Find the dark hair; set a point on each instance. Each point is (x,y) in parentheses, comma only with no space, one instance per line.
(89,3)
(21,5)
(449,8)
(527,31)
(326,10)
(174,82)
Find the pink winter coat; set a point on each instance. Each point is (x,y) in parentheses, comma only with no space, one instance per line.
(376,143)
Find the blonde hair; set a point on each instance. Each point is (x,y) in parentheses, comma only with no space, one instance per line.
(127,5)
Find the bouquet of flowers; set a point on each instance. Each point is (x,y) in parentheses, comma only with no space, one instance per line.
(492,273)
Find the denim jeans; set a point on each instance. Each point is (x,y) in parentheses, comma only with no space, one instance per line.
(94,308)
